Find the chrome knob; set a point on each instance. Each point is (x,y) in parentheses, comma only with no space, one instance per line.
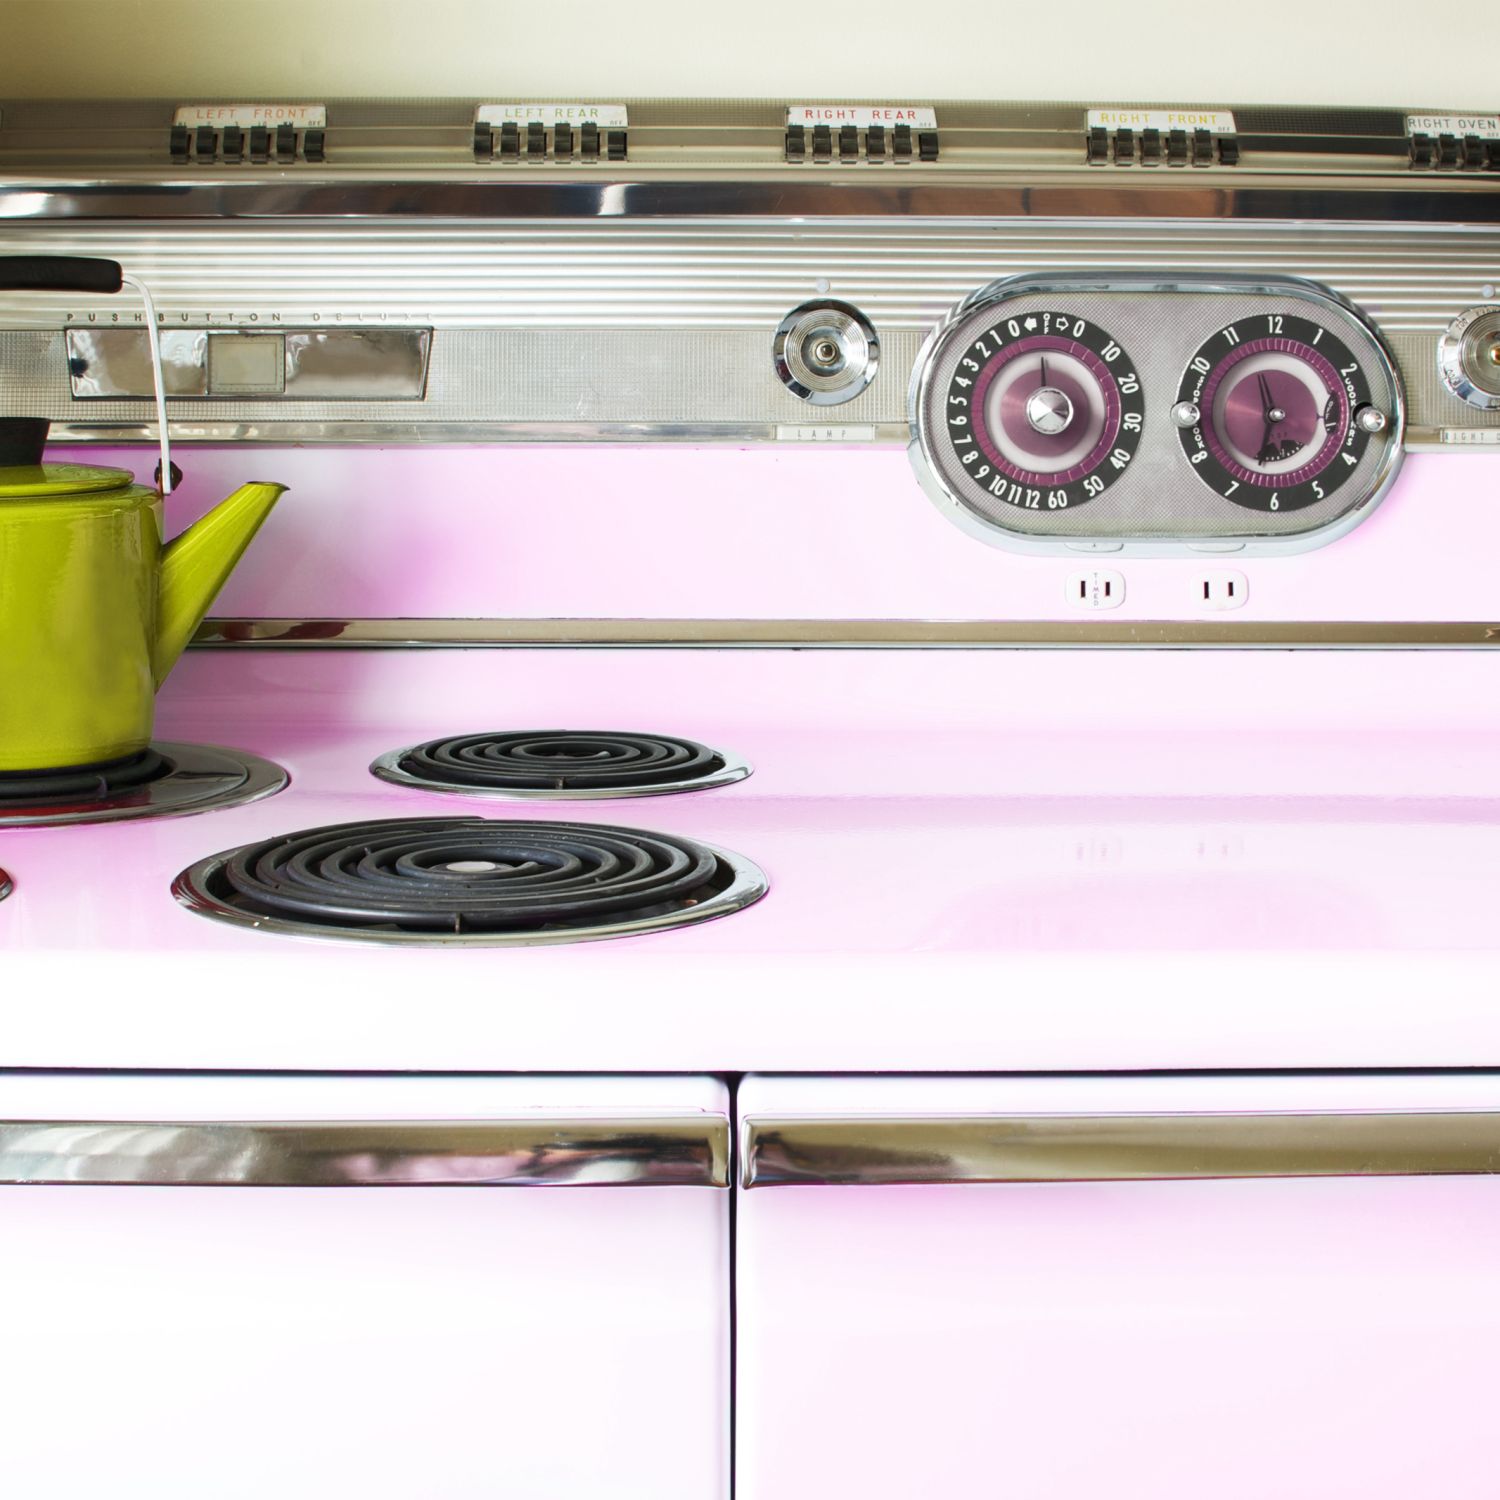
(1048,410)
(1371,419)
(1186,414)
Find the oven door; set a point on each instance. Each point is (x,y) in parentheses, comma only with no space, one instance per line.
(307,1287)
(1141,1288)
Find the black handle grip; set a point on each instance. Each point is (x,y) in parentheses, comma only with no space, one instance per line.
(58,273)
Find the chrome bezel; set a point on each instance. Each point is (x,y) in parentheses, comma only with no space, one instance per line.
(787,367)
(205,778)
(1450,358)
(1245,544)
(388,767)
(747,886)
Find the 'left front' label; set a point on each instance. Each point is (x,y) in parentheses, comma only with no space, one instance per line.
(248,116)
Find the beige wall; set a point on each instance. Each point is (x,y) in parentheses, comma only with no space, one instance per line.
(1380,51)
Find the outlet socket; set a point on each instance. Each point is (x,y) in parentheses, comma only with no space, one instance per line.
(1220,588)
(1095,588)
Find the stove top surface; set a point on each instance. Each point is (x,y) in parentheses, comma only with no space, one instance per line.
(1005,860)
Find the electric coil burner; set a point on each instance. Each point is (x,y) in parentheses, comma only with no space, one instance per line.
(560,764)
(475,881)
(164,781)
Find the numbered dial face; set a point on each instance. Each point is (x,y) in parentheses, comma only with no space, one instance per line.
(1043,411)
(1276,397)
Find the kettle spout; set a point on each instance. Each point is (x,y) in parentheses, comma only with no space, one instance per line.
(195,565)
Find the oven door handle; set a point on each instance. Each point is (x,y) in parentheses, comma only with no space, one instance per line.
(669,1151)
(871,1152)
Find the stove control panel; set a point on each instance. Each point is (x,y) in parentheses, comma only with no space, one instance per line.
(1111,413)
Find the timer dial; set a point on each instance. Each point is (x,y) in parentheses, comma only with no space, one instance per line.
(1043,411)
(1280,412)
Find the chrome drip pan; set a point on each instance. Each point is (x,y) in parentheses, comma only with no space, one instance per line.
(471,882)
(194,779)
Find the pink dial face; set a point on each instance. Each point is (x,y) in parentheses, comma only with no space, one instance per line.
(1271,403)
(1276,413)
(1043,411)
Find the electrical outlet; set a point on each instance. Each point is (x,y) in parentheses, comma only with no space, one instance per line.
(1222,589)
(1097,588)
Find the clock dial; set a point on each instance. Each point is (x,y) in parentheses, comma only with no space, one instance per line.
(1271,412)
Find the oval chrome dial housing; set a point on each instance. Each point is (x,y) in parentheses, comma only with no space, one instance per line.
(1275,411)
(1038,410)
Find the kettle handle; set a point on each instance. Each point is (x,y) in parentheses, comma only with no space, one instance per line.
(88,273)
(59,273)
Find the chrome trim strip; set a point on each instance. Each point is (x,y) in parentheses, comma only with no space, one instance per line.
(667,1151)
(1276,635)
(476,193)
(1117,1148)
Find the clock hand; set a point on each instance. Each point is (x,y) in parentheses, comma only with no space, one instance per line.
(1267,406)
(1044,369)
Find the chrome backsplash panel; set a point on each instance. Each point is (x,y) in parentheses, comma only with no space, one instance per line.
(627,328)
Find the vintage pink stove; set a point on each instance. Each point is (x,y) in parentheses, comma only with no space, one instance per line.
(1049,1026)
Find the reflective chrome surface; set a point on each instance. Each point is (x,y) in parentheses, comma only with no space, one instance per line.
(1158,506)
(388,767)
(1278,635)
(1469,357)
(1110,1148)
(526,314)
(205,778)
(687,1151)
(746,886)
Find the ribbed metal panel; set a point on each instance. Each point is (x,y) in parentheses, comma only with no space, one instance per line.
(721,274)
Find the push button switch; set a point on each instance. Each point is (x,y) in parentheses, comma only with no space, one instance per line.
(1473,153)
(562,142)
(848,143)
(1124,147)
(1203,148)
(510,141)
(312,145)
(260,143)
(875,143)
(1177,148)
(484,142)
(927,145)
(181,141)
(536,141)
(234,143)
(822,143)
(1151,148)
(588,141)
(796,143)
(286,143)
(901,144)
(1423,151)
(1447,152)
(1098,146)
(614,145)
(206,143)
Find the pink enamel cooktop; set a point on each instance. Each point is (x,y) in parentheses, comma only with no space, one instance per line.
(977,860)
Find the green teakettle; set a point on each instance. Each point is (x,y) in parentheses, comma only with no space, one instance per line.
(94,606)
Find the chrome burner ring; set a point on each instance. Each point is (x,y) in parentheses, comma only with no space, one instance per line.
(473,882)
(560,765)
(200,778)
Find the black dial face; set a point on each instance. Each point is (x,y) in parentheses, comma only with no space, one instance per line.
(1276,396)
(1043,411)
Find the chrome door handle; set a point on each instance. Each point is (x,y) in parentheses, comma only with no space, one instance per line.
(1117,1147)
(678,1151)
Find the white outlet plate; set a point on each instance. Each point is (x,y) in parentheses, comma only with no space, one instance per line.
(1220,588)
(1095,588)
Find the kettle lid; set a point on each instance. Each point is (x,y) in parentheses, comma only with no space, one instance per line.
(24,476)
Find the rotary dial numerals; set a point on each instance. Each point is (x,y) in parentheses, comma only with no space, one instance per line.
(1043,411)
(1275,398)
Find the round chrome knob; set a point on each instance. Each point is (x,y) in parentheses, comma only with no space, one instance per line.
(1048,410)
(1276,414)
(1469,357)
(1371,419)
(1186,414)
(825,352)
